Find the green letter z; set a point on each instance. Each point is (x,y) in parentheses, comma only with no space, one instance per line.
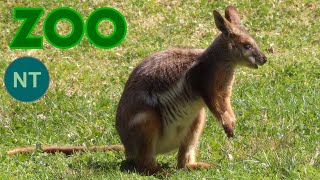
(23,40)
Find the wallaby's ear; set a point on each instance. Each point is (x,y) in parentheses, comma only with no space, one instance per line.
(222,24)
(232,15)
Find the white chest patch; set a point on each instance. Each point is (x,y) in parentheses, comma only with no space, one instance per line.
(175,132)
(178,112)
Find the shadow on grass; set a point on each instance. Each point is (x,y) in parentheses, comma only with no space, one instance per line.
(126,167)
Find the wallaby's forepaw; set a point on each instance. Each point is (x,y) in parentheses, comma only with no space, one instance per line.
(229,130)
(197,165)
(228,124)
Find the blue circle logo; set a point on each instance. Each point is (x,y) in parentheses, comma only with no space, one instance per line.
(26,79)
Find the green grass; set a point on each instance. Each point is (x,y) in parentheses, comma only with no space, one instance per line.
(277,106)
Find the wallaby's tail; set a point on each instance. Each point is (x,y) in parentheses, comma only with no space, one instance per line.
(66,149)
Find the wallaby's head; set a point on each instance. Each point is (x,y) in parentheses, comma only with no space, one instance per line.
(244,49)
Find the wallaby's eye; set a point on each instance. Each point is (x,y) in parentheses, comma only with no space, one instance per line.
(247,46)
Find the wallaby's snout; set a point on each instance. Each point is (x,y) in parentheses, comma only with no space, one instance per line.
(257,58)
(263,60)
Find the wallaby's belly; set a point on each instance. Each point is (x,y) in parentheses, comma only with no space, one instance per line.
(176,130)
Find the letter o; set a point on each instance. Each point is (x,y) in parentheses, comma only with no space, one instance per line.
(119,24)
(56,39)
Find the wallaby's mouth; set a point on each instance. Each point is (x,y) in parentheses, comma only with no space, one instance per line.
(253,63)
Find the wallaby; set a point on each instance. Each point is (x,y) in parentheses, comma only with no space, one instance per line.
(162,106)
(163,103)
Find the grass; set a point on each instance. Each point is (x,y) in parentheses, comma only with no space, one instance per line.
(277,106)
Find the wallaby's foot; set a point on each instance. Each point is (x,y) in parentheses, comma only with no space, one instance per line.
(146,169)
(196,165)
(127,165)
(150,169)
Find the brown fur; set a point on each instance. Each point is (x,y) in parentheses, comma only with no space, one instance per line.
(162,105)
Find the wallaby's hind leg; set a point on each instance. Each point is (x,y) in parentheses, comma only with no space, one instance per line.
(145,128)
(145,160)
(187,150)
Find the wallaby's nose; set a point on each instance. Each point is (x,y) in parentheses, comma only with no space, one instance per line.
(263,59)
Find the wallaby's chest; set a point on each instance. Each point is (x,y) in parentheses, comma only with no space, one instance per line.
(178,111)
